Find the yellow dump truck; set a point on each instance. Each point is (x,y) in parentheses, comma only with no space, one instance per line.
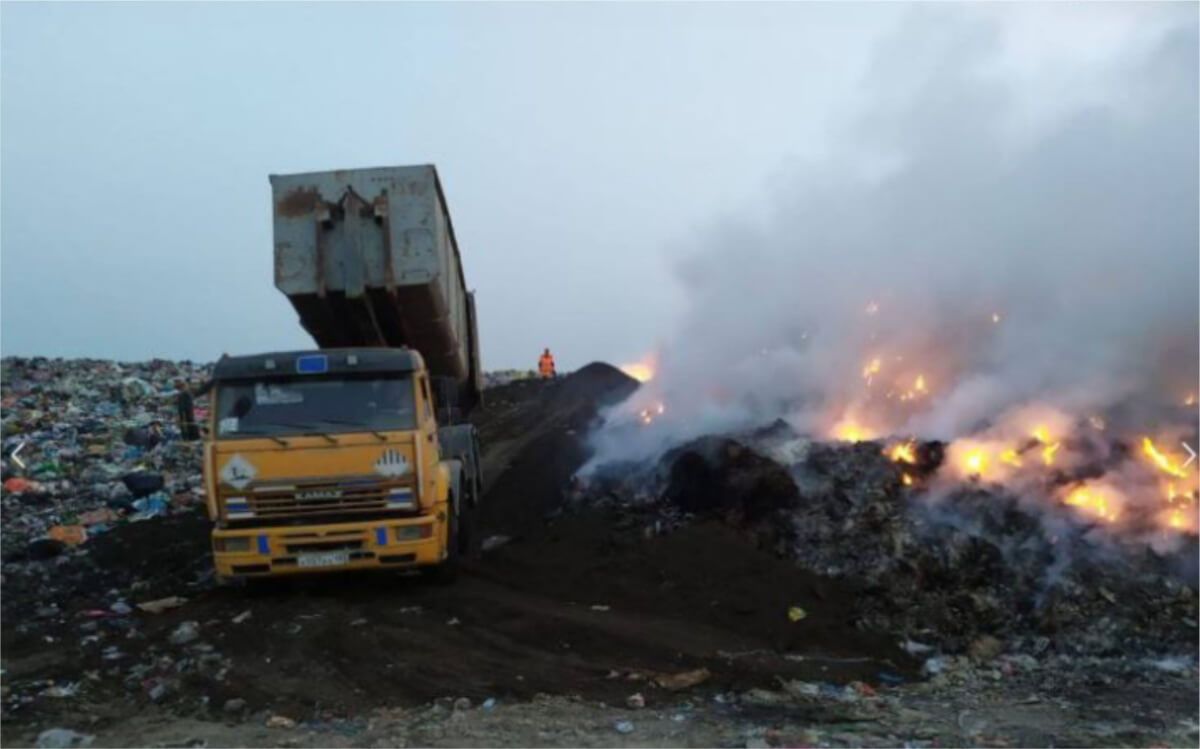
(355,454)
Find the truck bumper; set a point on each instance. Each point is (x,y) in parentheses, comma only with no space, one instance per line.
(337,547)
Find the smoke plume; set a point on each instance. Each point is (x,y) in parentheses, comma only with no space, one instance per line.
(985,247)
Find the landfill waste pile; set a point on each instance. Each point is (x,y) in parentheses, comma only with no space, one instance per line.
(971,569)
(745,590)
(89,445)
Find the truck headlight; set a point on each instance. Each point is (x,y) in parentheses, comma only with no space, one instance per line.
(233,543)
(413,532)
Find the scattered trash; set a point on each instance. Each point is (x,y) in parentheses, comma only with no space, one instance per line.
(891,679)
(241,617)
(462,703)
(42,549)
(358,622)
(185,633)
(149,507)
(795,614)
(599,607)
(98,516)
(861,689)
(493,542)
(635,701)
(798,688)
(143,484)
(64,690)
(623,726)
(17,485)
(1175,664)
(913,647)
(63,738)
(765,698)
(1022,661)
(280,721)
(985,648)
(158,692)
(683,679)
(453,621)
(162,604)
(121,608)
(71,535)
(235,705)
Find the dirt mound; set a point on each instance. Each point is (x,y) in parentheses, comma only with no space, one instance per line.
(979,562)
(533,434)
(706,595)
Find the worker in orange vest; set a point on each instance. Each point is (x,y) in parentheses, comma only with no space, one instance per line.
(546,365)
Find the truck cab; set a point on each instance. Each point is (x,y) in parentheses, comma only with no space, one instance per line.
(334,460)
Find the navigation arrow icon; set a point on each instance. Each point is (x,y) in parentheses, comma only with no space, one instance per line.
(16,459)
(1191,454)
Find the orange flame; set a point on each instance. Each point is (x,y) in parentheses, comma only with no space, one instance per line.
(1093,502)
(903,452)
(1175,519)
(1010,457)
(1048,453)
(1042,435)
(640,371)
(975,462)
(1161,460)
(850,431)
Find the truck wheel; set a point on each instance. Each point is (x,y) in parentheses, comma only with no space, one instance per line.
(447,572)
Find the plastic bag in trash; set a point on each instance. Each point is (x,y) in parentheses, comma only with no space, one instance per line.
(143,483)
(63,738)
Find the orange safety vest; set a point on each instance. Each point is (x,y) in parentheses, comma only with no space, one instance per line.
(546,365)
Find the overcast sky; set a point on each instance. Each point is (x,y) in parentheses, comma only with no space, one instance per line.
(583,149)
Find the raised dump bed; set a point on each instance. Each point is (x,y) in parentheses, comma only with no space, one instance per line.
(368,258)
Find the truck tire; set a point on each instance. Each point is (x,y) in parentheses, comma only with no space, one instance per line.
(470,541)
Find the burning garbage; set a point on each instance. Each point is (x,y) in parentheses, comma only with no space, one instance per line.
(935,558)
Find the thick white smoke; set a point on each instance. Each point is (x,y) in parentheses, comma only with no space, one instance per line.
(1017,237)
(1079,230)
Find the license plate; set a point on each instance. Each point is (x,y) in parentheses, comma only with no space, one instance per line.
(330,559)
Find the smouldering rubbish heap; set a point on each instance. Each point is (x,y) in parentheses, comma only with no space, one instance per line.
(1119,473)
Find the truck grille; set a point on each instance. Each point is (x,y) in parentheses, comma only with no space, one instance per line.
(308,500)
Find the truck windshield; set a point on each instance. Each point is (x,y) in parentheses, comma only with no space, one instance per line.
(299,406)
